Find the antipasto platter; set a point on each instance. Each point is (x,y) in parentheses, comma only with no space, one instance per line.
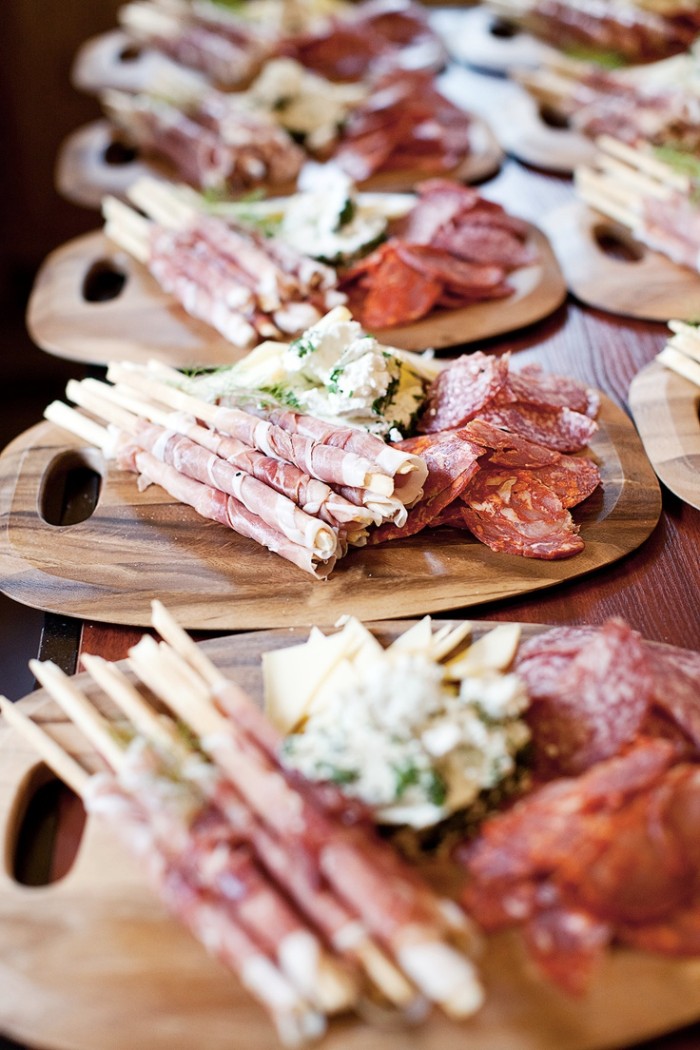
(92,302)
(97,160)
(664,406)
(97,946)
(214,579)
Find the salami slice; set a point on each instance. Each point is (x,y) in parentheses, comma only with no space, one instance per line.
(507,449)
(590,694)
(511,511)
(389,290)
(561,429)
(452,460)
(546,390)
(461,391)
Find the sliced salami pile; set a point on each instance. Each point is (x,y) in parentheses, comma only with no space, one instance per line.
(453,248)
(498,446)
(605,848)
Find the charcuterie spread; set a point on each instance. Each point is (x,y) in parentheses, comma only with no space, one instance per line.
(243,269)
(655,105)
(493,453)
(260,834)
(612,32)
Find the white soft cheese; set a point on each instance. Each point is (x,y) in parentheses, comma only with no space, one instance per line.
(400,736)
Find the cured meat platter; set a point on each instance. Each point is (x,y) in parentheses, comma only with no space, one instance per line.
(96,953)
(96,160)
(605,267)
(665,408)
(93,303)
(211,578)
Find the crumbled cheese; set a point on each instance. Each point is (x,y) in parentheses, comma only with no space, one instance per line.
(398,732)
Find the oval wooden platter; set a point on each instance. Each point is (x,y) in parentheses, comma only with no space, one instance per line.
(213,579)
(112,60)
(647,285)
(85,170)
(94,960)
(480,38)
(517,120)
(666,408)
(143,322)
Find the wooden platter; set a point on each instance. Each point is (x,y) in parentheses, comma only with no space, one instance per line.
(112,60)
(86,169)
(94,960)
(213,579)
(141,321)
(523,128)
(483,40)
(666,407)
(641,284)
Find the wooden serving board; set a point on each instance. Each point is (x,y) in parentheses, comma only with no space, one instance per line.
(85,170)
(647,285)
(483,40)
(517,120)
(143,322)
(666,407)
(93,959)
(112,60)
(213,579)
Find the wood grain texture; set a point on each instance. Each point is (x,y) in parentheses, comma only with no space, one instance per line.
(650,286)
(84,175)
(94,960)
(143,322)
(215,580)
(665,408)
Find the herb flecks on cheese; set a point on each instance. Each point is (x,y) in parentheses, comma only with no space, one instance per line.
(397,727)
(334,371)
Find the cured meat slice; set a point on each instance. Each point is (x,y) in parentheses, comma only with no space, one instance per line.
(563,430)
(573,479)
(536,387)
(511,511)
(275,509)
(509,450)
(397,293)
(408,471)
(461,391)
(452,460)
(590,695)
(215,505)
(480,242)
(470,280)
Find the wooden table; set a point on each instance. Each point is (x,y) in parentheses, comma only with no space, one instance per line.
(655,588)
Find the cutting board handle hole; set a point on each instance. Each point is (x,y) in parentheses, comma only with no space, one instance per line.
(118,154)
(614,242)
(503,29)
(102,282)
(70,488)
(49,826)
(553,118)
(129,53)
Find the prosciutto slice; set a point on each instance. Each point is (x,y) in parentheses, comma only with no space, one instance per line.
(260,499)
(215,505)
